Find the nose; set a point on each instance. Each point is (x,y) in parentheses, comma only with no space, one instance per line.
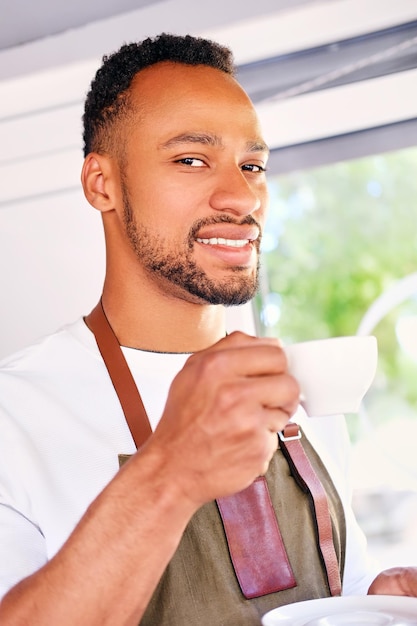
(236,193)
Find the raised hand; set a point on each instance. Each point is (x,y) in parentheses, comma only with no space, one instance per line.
(218,430)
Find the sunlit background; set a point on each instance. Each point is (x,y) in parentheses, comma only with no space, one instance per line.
(340,258)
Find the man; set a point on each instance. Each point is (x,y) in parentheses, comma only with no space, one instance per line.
(175,162)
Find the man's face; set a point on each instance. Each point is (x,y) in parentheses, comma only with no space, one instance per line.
(193,184)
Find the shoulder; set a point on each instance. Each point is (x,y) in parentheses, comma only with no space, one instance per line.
(50,368)
(50,351)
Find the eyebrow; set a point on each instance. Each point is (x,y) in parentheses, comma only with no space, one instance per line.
(208,139)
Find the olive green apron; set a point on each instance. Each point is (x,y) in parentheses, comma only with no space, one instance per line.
(200,584)
(199,587)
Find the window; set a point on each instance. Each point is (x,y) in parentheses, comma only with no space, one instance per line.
(340,239)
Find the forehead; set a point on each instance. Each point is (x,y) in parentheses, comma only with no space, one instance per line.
(172,97)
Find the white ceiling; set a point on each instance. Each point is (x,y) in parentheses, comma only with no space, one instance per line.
(23,21)
(51,248)
(28,30)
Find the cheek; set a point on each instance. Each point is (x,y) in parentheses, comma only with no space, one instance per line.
(178,199)
(262,212)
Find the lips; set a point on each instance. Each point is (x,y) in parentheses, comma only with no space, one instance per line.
(233,235)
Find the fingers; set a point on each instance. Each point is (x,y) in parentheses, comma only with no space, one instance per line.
(271,398)
(398,581)
(241,355)
(273,445)
(242,380)
(238,338)
(224,409)
(279,393)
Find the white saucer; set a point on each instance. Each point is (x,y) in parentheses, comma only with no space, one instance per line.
(346,611)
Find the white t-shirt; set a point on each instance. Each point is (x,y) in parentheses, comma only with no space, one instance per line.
(62,429)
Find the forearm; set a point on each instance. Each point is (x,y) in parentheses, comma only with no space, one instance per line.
(108,569)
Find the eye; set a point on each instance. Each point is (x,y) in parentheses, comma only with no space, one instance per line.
(253,167)
(191,162)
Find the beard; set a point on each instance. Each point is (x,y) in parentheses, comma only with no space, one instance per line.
(179,268)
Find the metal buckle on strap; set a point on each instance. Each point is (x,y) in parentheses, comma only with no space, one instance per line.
(292,438)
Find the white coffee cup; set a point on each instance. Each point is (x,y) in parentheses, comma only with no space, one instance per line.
(334,374)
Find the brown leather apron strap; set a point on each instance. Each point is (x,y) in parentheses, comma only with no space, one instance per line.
(306,477)
(252,532)
(120,375)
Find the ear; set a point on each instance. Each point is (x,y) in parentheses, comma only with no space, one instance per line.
(98,178)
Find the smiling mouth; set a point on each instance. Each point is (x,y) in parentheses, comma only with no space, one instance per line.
(220,241)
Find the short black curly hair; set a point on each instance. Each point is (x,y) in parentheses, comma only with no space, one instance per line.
(108,98)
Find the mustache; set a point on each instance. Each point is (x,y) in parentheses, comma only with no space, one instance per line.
(222,219)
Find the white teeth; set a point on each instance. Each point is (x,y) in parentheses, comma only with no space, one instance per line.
(219,241)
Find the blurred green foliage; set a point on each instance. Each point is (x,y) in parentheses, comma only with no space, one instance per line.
(338,237)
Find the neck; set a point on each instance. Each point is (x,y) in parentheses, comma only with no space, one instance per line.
(162,323)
